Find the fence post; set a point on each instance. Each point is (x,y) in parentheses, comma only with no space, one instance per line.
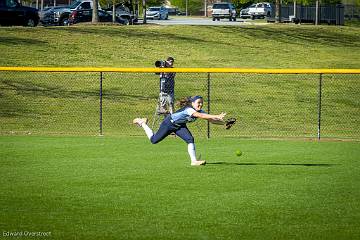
(208,105)
(319,107)
(100,110)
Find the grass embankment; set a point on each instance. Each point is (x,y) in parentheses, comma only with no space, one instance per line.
(270,46)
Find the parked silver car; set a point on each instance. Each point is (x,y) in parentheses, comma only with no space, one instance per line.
(160,13)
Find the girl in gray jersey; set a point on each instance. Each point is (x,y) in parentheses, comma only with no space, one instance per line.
(176,123)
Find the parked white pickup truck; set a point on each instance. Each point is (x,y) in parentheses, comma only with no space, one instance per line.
(257,10)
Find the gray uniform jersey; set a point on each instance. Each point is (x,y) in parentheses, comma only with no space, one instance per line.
(184,115)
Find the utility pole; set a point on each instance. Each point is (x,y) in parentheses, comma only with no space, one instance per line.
(113,12)
(278,11)
(317,13)
(95,15)
(205,8)
(137,7)
(144,11)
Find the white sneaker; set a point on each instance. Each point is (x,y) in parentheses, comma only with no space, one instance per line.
(198,163)
(140,121)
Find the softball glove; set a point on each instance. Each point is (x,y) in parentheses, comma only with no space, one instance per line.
(229,123)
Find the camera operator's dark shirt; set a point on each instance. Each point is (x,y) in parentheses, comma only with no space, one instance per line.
(167,82)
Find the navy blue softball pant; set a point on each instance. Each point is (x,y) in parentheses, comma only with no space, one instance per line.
(167,127)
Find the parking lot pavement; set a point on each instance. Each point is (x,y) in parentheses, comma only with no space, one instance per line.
(205,22)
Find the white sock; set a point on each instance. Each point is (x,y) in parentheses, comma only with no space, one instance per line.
(148,131)
(191,151)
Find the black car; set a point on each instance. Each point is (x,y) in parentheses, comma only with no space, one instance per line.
(13,13)
(86,16)
(175,11)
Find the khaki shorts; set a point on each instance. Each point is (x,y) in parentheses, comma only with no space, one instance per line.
(166,103)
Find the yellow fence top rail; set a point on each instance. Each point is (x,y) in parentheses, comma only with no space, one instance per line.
(181,70)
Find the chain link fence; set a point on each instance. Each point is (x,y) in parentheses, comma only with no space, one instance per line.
(352,11)
(267,105)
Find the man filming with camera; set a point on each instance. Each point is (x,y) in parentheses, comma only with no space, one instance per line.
(167,86)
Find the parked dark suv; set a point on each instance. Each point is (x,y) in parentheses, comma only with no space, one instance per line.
(12,13)
(78,16)
(223,10)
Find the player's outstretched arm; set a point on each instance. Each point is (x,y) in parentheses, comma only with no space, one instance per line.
(217,122)
(216,119)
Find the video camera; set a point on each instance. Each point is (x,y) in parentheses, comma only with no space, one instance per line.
(160,63)
(164,63)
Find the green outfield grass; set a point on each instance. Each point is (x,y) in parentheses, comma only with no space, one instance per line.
(126,188)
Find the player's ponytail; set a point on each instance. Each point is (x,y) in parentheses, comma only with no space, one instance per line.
(184,102)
